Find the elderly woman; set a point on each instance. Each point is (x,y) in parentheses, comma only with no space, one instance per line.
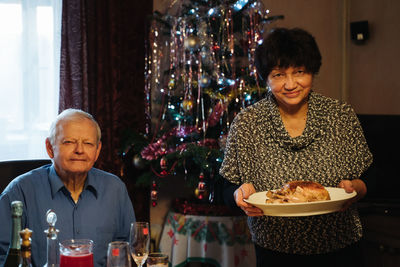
(296,134)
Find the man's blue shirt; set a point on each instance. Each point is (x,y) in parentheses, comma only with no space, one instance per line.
(103,212)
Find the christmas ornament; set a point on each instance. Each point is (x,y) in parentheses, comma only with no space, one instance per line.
(205,80)
(163,146)
(138,162)
(201,187)
(201,195)
(171,83)
(206,56)
(163,163)
(192,43)
(187,104)
(154,194)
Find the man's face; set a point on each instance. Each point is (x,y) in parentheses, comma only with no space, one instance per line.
(75,149)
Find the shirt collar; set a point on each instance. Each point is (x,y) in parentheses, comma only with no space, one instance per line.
(56,184)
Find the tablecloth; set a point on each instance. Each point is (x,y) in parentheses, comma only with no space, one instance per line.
(221,240)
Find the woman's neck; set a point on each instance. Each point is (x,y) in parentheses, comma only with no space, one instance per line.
(294,119)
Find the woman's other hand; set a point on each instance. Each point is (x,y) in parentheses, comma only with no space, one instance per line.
(353,185)
(243,192)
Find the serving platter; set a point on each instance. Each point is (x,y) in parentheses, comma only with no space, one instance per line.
(338,198)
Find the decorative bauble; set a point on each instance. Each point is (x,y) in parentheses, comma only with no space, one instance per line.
(206,56)
(216,48)
(163,163)
(201,186)
(138,162)
(187,104)
(200,195)
(163,148)
(204,52)
(192,42)
(205,80)
(154,197)
(154,194)
(171,83)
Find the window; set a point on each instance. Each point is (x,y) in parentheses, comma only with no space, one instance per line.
(30,41)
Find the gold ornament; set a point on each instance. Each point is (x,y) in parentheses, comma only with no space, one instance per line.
(187,104)
(192,42)
(196,192)
(201,195)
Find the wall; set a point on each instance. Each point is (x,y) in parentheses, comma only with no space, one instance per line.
(323,19)
(374,78)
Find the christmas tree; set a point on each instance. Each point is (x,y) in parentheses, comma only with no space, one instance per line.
(199,74)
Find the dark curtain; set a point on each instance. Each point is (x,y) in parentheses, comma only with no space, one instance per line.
(101,72)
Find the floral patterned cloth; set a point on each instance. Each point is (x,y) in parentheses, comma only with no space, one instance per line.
(223,241)
(331,148)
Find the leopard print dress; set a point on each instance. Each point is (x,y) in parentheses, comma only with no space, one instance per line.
(332,147)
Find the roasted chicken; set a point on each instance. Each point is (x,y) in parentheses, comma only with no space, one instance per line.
(298,192)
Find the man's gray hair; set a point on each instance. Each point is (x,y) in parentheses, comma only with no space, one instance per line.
(71,114)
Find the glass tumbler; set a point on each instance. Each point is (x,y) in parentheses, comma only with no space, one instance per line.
(118,254)
(76,253)
(157,260)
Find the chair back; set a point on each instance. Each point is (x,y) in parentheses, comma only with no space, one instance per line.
(13,168)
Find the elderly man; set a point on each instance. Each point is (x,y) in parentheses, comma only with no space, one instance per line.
(89,203)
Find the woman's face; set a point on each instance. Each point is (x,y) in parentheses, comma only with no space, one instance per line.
(290,86)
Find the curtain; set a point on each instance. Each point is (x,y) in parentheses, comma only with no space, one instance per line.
(101,69)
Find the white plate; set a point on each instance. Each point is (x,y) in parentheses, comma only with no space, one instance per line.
(338,197)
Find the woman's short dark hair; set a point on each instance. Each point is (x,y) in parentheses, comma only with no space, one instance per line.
(285,48)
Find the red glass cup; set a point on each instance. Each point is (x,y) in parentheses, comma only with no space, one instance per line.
(76,253)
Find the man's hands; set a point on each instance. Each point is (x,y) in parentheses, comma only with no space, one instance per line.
(243,192)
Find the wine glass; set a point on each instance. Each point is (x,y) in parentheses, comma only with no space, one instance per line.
(140,242)
(118,254)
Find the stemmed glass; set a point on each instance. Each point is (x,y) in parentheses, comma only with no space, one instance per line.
(140,242)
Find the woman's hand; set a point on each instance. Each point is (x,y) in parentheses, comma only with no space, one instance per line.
(353,185)
(243,192)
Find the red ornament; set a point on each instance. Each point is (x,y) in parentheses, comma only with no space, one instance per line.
(216,47)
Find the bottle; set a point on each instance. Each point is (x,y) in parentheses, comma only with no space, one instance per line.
(13,254)
(53,251)
(26,253)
